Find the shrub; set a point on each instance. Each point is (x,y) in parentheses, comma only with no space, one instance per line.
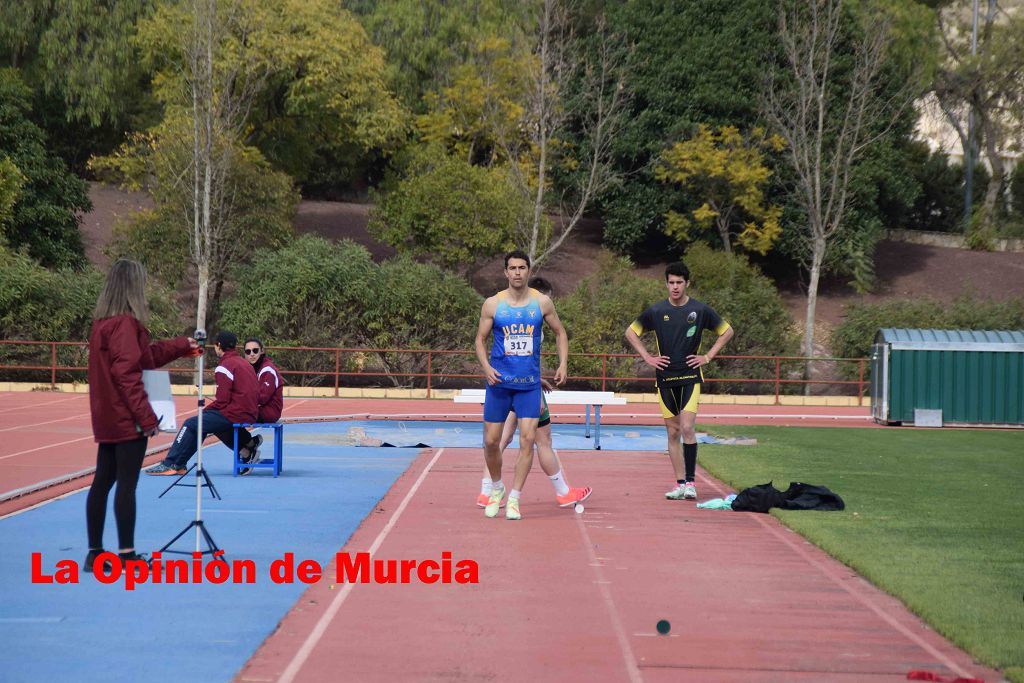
(450,211)
(319,294)
(44,216)
(596,315)
(748,300)
(632,216)
(37,304)
(419,306)
(601,308)
(310,293)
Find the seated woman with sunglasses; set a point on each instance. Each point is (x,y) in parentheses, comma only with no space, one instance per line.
(270,398)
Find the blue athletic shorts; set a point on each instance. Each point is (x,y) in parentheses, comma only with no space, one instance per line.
(499,401)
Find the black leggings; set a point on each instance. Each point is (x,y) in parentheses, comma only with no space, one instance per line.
(120,463)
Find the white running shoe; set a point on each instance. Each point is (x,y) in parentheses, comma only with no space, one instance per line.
(678,493)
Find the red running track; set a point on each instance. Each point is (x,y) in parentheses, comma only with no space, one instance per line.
(577,597)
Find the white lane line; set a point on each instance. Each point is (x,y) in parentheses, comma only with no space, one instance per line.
(314,637)
(628,658)
(40,424)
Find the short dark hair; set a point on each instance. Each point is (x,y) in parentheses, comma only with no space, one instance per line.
(678,268)
(254,340)
(517,253)
(227,340)
(541,285)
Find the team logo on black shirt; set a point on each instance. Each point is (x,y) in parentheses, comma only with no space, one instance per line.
(692,317)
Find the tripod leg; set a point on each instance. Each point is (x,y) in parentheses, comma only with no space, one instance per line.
(209,540)
(177,481)
(180,534)
(209,484)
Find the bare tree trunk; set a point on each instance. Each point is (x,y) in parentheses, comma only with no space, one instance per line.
(825,133)
(996,179)
(723,232)
(599,113)
(200,68)
(814,280)
(222,93)
(544,106)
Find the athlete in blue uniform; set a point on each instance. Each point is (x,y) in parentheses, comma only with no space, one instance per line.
(565,495)
(512,369)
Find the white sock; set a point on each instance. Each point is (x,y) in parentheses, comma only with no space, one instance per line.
(497,485)
(514,494)
(486,485)
(558,481)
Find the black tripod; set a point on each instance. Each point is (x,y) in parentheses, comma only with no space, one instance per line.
(202,478)
(200,474)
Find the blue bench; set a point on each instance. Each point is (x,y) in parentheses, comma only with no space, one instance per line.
(276,462)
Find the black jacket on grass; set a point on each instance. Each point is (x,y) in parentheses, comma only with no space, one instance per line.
(798,496)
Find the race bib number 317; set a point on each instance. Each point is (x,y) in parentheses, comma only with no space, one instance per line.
(518,346)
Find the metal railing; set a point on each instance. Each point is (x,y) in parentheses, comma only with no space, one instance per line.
(432,368)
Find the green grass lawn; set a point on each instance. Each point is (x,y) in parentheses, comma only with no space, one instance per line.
(935,518)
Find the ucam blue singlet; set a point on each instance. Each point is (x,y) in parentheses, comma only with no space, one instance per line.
(515,353)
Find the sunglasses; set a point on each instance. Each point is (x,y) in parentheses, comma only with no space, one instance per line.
(251,352)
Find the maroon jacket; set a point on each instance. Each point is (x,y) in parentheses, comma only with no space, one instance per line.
(271,396)
(236,388)
(119,350)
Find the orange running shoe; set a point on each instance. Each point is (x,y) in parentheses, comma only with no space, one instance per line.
(481,500)
(577,494)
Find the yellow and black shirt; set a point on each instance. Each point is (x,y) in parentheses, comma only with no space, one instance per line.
(678,331)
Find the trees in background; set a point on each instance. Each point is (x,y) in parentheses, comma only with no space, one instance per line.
(644,113)
(988,85)
(47,196)
(77,58)
(830,106)
(297,79)
(696,61)
(263,206)
(724,174)
(450,211)
(576,97)
(426,41)
(545,106)
(11,181)
(315,293)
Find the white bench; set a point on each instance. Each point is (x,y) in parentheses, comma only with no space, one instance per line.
(594,399)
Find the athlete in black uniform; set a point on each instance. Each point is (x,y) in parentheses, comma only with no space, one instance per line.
(678,323)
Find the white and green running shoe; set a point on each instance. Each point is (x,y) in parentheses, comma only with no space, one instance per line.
(512,509)
(677,493)
(494,502)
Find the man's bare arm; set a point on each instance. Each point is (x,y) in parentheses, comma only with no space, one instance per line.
(483,330)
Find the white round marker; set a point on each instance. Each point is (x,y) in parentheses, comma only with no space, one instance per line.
(578,508)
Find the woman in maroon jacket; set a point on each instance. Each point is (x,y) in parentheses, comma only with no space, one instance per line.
(122,419)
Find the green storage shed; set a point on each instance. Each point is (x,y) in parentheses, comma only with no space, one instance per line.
(948,377)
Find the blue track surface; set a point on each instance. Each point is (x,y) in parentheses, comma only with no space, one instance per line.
(96,632)
(470,435)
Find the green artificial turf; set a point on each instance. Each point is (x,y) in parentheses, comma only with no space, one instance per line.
(934,517)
